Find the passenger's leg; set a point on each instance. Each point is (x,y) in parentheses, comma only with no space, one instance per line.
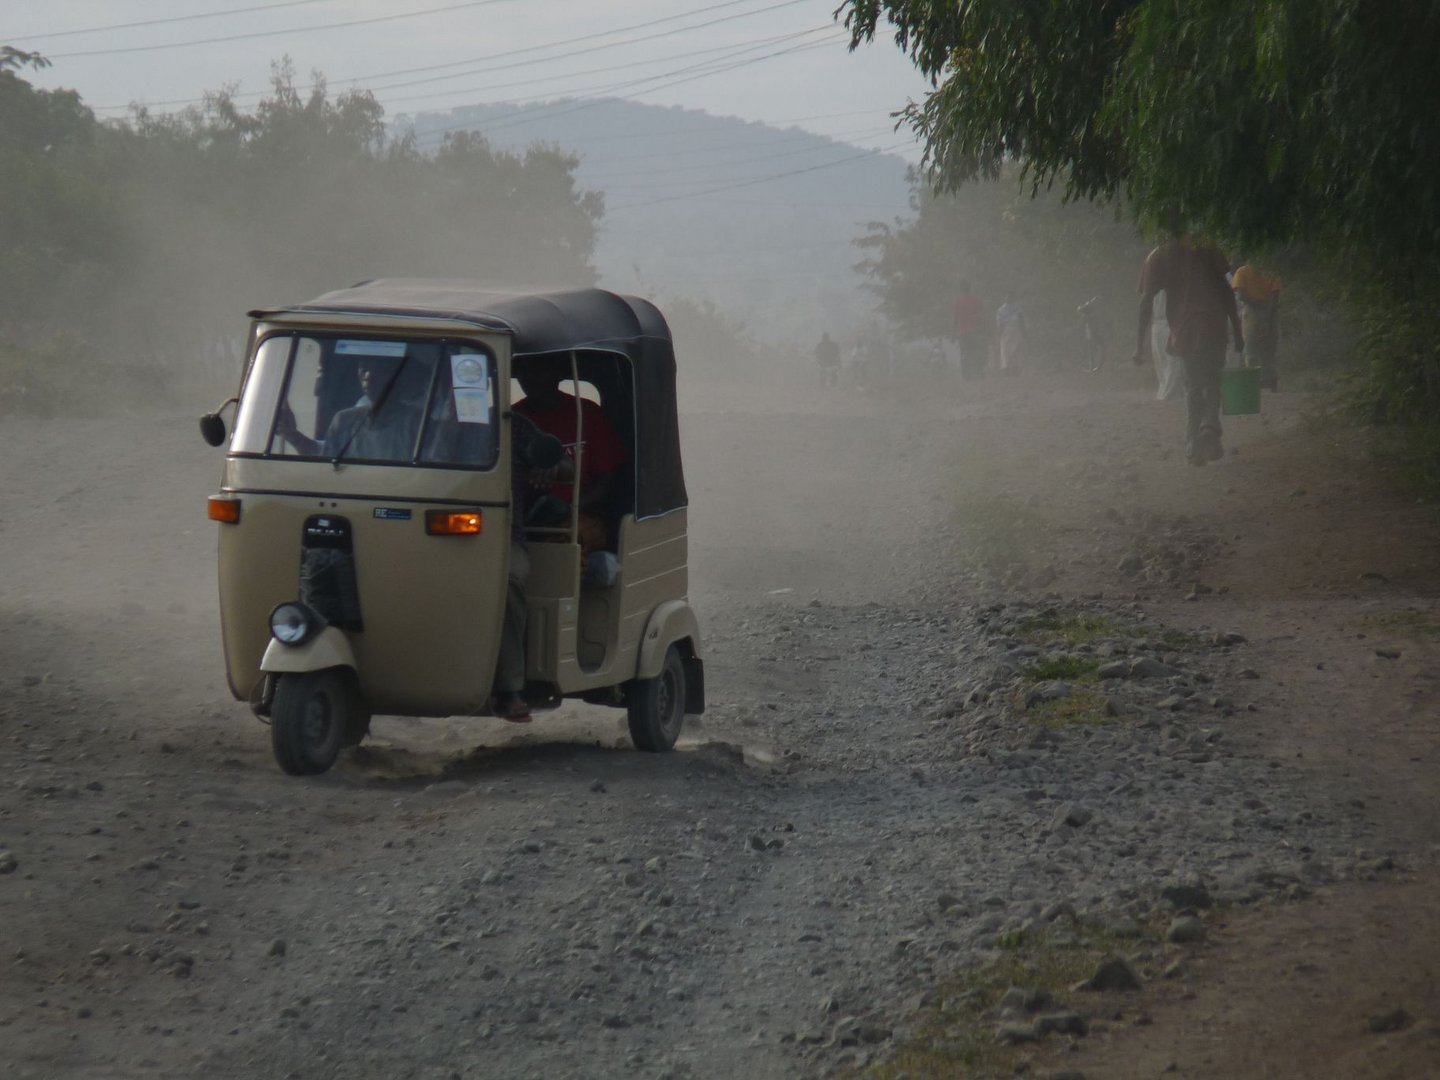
(510,665)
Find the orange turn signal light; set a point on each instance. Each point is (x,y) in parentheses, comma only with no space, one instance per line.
(454,522)
(223,509)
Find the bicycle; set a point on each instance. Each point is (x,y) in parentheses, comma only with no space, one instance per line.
(1092,355)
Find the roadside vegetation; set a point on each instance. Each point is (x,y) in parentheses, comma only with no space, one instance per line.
(133,248)
(1298,132)
(1039,969)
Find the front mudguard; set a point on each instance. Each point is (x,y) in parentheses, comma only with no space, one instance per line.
(328,649)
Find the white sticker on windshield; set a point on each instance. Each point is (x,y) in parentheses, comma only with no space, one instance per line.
(355,347)
(467,369)
(472,406)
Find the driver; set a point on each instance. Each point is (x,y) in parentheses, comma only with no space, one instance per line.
(379,426)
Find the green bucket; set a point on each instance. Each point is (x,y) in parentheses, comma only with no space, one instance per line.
(1240,390)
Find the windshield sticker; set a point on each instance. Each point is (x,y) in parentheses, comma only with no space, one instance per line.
(354,347)
(467,369)
(472,406)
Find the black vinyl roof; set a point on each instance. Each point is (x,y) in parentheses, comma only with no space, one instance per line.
(540,322)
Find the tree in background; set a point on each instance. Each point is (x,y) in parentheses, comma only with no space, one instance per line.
(134,248)
(1264,123)
(1052,255)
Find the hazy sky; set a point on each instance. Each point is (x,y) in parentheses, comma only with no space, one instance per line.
(779,61)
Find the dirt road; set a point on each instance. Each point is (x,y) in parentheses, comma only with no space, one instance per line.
(882,803)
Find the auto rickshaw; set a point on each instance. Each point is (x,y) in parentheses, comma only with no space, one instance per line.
(371,493)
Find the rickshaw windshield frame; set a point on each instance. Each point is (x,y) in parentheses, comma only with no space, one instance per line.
(370,397)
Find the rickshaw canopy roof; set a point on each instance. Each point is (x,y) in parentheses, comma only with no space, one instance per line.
(539,323)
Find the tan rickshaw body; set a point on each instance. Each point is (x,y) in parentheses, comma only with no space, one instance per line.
(421,545)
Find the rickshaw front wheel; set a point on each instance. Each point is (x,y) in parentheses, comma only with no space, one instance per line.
(656,707)
(309,720)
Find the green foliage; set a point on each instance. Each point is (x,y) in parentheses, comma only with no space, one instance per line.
(1271,124)
(1051,255)
(1070,668)
(1074,629)
(1262,122)
(1080,708)
(142,243)
(1399,384)
(956,1037)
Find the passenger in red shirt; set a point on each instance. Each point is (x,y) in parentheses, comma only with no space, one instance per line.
(554,411)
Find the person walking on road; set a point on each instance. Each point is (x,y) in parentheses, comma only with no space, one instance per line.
(1259,296)
(1198,304)
(827,355)
(967,327)
(1010,326)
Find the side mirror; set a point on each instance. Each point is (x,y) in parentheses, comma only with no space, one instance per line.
(212,428)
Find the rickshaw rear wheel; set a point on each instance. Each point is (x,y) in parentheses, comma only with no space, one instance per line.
(656,707)
(310,720)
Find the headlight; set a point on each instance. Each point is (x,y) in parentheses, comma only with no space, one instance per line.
(294,624)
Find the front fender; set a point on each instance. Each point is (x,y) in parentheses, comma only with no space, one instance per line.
(328,649)
(672,621)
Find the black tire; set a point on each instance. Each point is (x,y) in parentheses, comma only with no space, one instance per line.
(310,720)
(656,707)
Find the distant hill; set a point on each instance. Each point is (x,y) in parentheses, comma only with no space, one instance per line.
(756,218)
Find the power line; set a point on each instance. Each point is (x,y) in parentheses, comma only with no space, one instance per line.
(530,49)
(172,19)
(713,70)
(278,33)
(758,180)
(558,109)
(754,43)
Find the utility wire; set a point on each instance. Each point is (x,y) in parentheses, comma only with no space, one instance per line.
(277,33)
(711,68)
(555,109)
(530,49)
(758,180)
(172,19)
(670,57)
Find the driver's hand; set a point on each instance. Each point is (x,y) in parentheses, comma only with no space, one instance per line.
(285,422)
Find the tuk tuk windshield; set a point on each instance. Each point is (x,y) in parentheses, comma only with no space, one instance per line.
(370,400)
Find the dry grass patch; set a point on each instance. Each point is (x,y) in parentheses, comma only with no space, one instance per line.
(957,1038)
(1082,707)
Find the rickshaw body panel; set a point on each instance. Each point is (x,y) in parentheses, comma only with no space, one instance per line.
(430,645)
(582,638)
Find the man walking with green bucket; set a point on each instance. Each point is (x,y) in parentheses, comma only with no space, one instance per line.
(1198,305)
